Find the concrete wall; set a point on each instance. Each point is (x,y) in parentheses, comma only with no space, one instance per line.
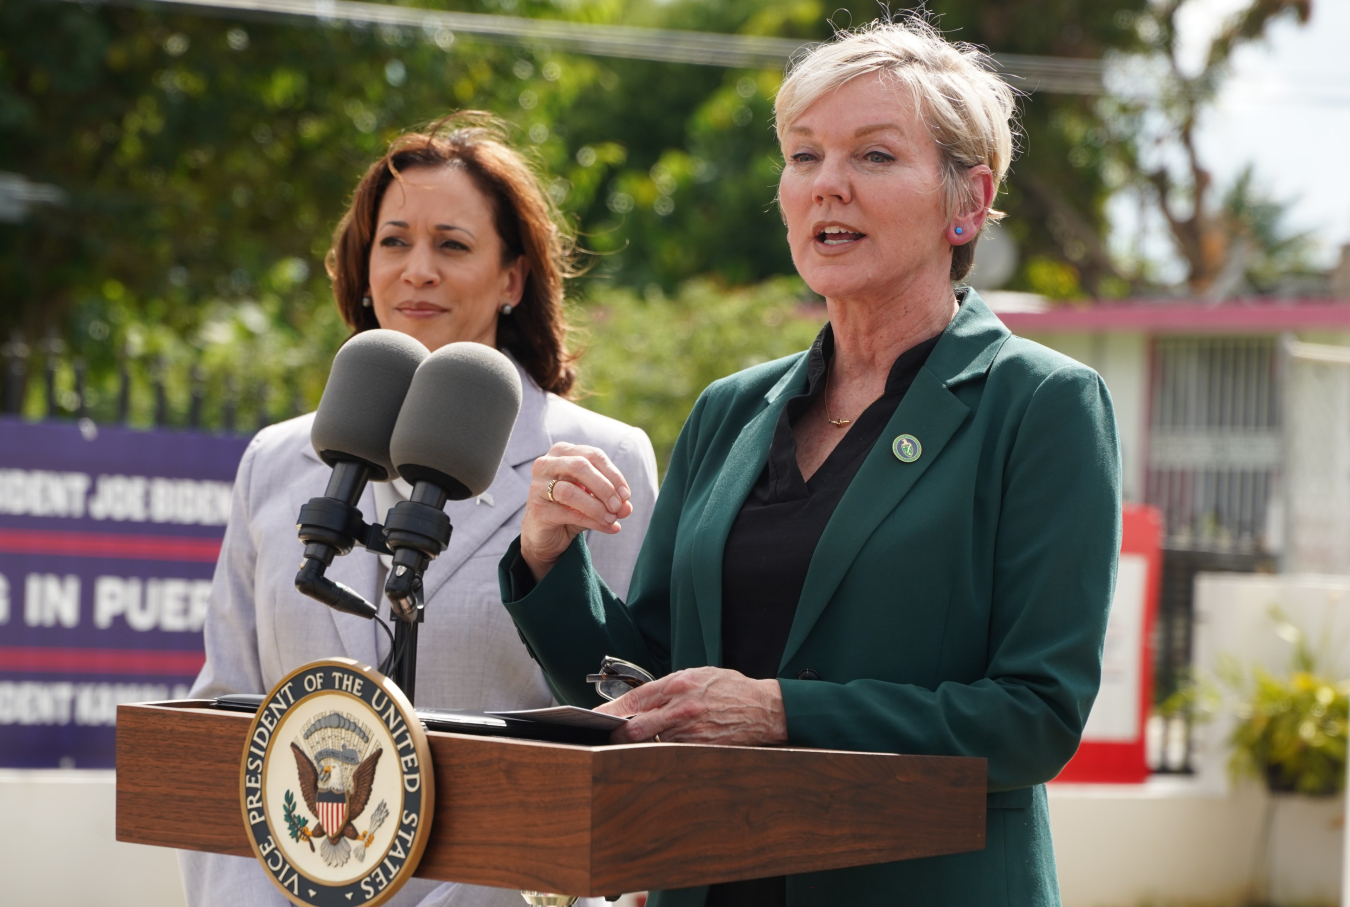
(1201,840)
(58,847)
(1169,843)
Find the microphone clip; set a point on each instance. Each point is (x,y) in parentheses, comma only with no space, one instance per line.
(331,526)
(416,530)
(334,522)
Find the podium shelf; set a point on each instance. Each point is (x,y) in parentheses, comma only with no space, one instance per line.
(579,819)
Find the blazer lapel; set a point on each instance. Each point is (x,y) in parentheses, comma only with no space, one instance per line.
(931,413)
(476,519)
(744,462)
(474,522)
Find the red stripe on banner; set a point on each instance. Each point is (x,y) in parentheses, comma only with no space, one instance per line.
(102,544)
(45,660)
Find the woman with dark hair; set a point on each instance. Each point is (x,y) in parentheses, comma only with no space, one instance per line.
(449,237)
(512,301)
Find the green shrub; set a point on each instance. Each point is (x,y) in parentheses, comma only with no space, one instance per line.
(1291,731)
(647,358)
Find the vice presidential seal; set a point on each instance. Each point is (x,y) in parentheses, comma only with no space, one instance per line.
(337,786)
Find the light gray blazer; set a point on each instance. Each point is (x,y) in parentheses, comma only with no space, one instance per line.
(259,628)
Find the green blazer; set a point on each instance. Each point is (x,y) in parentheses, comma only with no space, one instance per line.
(955,604)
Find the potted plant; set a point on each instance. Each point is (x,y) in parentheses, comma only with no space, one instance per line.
(1291,734)
(1291,731)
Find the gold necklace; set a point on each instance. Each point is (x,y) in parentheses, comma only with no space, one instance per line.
(837,423)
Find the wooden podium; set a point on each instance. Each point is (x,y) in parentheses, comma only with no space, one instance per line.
(584,820)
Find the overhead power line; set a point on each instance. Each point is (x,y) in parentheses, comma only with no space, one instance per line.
(1029,73)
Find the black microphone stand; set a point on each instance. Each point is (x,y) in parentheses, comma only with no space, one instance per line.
(331,526)
(417,530)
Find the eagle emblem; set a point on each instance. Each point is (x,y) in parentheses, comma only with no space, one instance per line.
(337,769)
(348,824)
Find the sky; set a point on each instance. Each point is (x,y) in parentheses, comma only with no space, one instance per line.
(1286,110)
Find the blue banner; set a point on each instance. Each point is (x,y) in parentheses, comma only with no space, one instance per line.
(108,541)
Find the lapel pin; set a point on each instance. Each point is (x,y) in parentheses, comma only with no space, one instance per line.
(906,448)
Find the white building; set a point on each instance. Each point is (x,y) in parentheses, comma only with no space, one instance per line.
(1235,422)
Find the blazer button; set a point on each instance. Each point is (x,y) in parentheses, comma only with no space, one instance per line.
(808,674)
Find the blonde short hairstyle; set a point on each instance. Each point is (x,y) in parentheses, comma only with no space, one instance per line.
(968,108)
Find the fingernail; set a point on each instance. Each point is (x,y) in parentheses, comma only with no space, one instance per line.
(623,490)
(615,504)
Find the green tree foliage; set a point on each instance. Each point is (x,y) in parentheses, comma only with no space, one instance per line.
(1265,254)
(1061,181)
(1156,145)
(205,162)
(1291,730)
(1291,734)
(714,149)
(648,358)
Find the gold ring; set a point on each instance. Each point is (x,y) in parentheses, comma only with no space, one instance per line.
(551,499)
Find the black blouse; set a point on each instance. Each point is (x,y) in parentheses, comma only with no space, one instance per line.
(771,543)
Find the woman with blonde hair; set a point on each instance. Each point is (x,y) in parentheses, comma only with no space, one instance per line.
(900,540)
(449,237)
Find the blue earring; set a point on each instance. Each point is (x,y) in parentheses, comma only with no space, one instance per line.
(959,231)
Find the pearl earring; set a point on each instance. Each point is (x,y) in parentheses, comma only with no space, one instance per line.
(506,308)
(365,301)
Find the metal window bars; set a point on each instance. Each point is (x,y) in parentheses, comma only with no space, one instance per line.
(1214,466)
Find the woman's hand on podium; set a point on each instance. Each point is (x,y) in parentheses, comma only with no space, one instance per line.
(574,488)
(702,705)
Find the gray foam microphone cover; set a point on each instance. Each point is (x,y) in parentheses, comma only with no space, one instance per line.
(457,419)
(370,377)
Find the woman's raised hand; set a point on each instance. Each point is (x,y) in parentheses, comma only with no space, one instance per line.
(574,488)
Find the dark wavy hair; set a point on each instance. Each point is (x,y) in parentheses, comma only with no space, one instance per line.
(527,222)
